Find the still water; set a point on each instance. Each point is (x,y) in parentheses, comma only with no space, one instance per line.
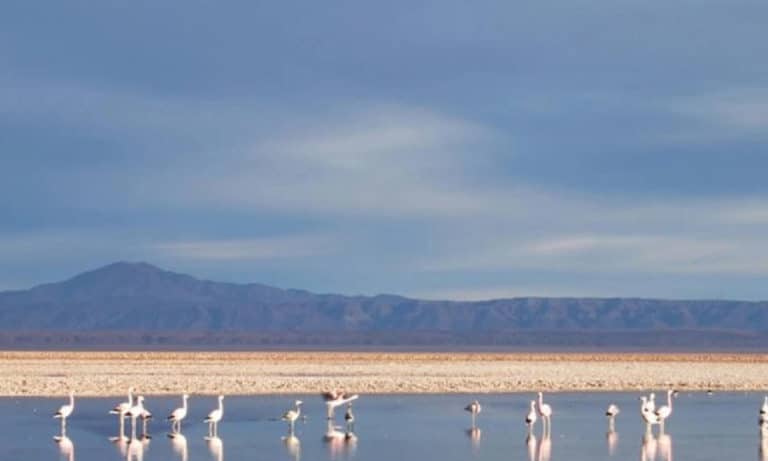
(722,426)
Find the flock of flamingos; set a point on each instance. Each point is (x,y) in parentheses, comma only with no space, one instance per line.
(134,410)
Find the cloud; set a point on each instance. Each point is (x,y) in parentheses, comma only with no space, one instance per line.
(266,248)
(384,160)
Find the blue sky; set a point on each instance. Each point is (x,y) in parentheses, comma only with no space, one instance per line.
(460,150)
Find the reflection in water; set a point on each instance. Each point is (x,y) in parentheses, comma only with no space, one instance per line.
(121,443)
(530,442)
(613,441)
(339,443)
(179,445)
(665,447)
(762,453)
(66,447)
(475,434)
(293,445)
(135,450)
(654,447)
(216,447)
(648,448)
(545,448)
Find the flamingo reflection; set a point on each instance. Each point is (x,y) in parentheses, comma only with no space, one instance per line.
(613,441)
(293,445)
(66,447)
(530,442)
(179,445)
(216,447)
(475,434)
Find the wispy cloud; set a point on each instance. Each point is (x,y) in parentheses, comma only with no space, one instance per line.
(267,248)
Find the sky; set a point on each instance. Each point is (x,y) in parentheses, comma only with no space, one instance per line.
(444,150)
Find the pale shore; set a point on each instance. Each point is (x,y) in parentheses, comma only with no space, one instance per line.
(249,373)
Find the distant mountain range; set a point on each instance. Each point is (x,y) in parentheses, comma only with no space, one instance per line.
(127,303)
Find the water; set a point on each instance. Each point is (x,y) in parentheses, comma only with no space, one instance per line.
(414,427)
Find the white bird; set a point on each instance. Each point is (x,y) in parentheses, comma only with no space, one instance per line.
(349,417)
(545,411)
(64,412)
(178,415)
(121,409)
(650,404)
(214,417)
(292,415)
(611,413)
(648,416)
(530,419)
(136,411)
(336,398)
(764,408)
(145,416)
(474,409)
(665,411)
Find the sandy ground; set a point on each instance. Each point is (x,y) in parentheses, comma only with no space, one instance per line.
(110,373)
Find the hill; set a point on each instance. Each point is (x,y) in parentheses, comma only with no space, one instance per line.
(137,300)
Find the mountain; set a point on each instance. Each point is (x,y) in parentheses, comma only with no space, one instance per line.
(138,300)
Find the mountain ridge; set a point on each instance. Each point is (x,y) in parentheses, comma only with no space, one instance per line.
(134,297)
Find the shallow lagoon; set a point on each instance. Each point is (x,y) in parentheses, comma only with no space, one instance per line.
(722,426)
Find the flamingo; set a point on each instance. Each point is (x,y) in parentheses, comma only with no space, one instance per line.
(136,411)
(611,413)
(650,403)
(292,415)
(648,416)
(145,416)
(530,420)
(665,411)
(214,417)
(764,408)
(545,411)
(474,409)
(178,414)
(64,412)
(121,409)
(335,398)
(349,417)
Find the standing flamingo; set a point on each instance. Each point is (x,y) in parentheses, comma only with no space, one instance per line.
(665,411)
(530,419)
(545,411)
(292,415)
(213,419)
(474,409)
(649,417)
(64,412)
(121,409)
(136,411)
(349,418)
(611,413)
(178,415)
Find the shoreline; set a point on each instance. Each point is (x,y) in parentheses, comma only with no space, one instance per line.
(109,373)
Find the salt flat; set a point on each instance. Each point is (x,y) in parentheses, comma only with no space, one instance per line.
(38,373)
